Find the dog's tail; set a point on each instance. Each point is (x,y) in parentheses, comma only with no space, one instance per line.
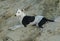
(57,19)
(50,20)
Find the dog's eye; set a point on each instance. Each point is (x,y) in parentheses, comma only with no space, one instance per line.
(18,12)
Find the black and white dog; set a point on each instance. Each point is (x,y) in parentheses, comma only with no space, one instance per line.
(31,20)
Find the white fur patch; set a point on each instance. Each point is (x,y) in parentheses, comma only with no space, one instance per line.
(20,13)
(37,20)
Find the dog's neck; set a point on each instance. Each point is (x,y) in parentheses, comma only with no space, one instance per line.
(23,14)
(21,17)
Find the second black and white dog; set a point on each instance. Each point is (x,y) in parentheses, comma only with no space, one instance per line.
(31,20)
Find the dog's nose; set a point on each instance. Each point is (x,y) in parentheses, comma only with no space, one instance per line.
(15,15)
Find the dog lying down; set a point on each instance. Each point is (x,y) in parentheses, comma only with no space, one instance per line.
(30,20)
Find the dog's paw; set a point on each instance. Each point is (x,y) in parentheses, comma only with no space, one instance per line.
(11,28)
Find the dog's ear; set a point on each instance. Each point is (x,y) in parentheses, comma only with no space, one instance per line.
(18,9)
(22,9)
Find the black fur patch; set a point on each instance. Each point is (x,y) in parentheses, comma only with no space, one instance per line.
(43,21)
(27,19)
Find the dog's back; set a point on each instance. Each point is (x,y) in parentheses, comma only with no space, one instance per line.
(27,19)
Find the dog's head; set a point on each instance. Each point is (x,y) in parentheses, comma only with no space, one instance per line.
(19,13)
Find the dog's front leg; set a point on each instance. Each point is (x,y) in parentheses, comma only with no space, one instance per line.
(15,27)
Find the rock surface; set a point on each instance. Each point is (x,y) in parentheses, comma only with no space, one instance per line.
(48,8)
